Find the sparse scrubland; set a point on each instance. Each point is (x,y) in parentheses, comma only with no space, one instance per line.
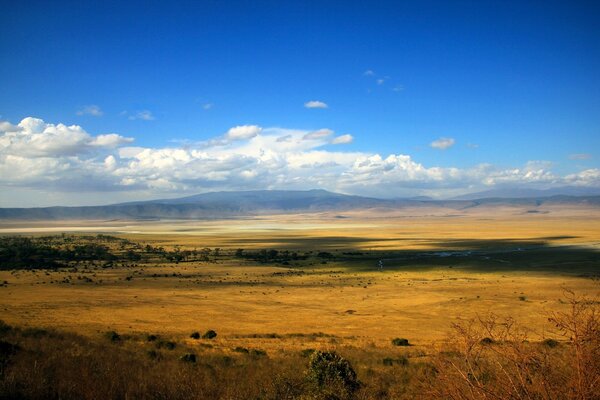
(487,358)
(367,309)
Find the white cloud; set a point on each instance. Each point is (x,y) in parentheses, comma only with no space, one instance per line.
(144,115)
(35,138)
(6,126)
(343,139)
(315,104)
(380,81)
(110,140)
(398,88)
(92,110)
(369,72)
(442,143)
(588,177)
(207,106)
(55,158)
(243,132)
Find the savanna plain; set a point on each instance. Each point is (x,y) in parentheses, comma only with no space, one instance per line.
(374,304)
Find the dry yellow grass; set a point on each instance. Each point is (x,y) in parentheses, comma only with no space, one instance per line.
(360,307)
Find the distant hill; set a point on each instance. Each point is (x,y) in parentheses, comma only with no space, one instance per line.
(235,204)
(207,205)
(531,193)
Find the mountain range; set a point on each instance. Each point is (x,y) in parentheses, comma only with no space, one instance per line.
(232,204)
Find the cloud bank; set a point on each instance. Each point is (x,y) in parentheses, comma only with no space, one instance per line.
(56,158)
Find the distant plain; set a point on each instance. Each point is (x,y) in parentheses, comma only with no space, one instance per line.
(408,273)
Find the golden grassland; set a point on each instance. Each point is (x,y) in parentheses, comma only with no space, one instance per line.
(440,268)
(353,300)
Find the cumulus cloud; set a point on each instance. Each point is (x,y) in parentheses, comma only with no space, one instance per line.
(144,115)
(92,110)
(36,155)
(315,104)
(343,139)
(369,72)
(588,177)
(442,143)
(243,132)
(35,138)
(207,106)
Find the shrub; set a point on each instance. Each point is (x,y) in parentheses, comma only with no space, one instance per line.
(210,334)
(522,298)
(241,350)
(486,341)
(166,345)
(550,343)
(400,342)
(112,336)
(331,376)
(258,353)
(189,357)
(195,335)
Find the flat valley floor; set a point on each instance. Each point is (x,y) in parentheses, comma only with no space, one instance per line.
(385,274)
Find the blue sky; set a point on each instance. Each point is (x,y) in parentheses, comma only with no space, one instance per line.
(509,91)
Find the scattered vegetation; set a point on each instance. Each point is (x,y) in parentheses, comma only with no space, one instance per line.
(210,334)
(400,342)
(38,363)
(330,376)
(519,369)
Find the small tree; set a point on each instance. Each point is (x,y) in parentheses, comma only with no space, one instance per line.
(331,376)
(210,334)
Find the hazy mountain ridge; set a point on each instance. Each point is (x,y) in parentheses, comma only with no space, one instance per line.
(232,204)
(531,193)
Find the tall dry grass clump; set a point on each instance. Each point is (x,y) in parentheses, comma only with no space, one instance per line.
(493,358)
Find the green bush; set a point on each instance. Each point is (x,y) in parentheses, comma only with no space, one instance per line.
(330,376)
(400,342)
(195,335)
(210,334)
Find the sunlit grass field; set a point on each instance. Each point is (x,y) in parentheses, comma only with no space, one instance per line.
(387,277)
(360,279)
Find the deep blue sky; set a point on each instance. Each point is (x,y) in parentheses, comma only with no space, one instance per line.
(520,80)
